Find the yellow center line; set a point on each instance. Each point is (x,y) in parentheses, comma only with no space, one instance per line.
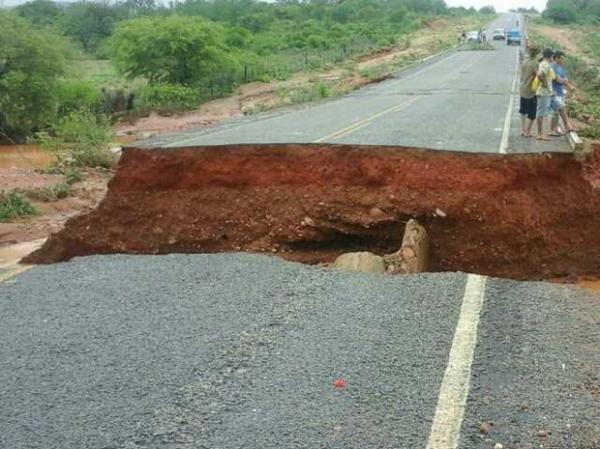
(364,122)
(14,271)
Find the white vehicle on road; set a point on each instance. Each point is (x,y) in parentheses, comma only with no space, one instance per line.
(499,35)
(473,36)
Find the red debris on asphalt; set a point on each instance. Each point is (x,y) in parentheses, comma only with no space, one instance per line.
(339,383)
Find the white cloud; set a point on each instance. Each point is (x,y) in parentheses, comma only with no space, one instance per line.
(500,5)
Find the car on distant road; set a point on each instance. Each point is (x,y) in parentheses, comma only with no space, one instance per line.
(473,36)
(513,37)
(499,34)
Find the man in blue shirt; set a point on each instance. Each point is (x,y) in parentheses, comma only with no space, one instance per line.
(559,105)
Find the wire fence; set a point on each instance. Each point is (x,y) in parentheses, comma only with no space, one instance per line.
(278,66)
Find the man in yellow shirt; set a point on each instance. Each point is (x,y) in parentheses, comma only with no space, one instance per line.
(544,92)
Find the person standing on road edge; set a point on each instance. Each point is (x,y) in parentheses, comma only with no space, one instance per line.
(528,107)
(544,92)
(559,104)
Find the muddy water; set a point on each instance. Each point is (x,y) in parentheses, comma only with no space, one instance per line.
(24,157)
(11,254)
(590,285)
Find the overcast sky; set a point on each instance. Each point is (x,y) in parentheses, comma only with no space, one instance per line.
(500,5)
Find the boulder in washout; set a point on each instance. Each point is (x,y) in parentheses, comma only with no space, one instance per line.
(360,261)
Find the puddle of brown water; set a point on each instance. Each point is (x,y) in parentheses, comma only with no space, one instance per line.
(24,156)
(590,285)
(11,254)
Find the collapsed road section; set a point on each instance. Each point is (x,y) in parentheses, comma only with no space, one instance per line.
(527,216)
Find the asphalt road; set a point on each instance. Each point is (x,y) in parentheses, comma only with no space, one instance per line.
(242,351)
(455,101)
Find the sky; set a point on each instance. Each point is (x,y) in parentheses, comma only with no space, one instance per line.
(500,5)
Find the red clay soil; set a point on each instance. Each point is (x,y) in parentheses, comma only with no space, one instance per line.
(516,216)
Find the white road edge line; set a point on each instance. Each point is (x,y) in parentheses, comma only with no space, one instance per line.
(450,410)
(508,116)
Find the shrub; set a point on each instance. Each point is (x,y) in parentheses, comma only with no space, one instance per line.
(478,46)
(322,90)
(77,96)
(591,132)
(89,23)
(172,50)
(171,96)
(31,64)
(72,175)
(14,205)
(80,140)
(561,12)
(307,93)
(50,193)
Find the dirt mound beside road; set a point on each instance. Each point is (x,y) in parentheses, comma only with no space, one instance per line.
(517,216)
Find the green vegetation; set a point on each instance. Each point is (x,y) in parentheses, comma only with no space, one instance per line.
(174,50)
(32,63)
(79,140)
(58,60)
(14,205)
(587,108)
(573,11)
(168,97)
(476,46)
(50,193)
(590,42)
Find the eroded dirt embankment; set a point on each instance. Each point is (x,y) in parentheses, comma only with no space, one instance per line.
(517,216)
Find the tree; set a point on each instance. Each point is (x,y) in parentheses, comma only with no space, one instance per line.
(174,49)
(561,12)
(89,23)
(31,63)
(40,12)
(487,10)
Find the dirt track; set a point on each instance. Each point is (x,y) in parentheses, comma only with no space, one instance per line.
(518,216)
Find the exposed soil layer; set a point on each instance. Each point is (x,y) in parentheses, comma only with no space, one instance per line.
(517,216)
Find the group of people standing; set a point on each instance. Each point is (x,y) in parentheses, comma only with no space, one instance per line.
(543,91)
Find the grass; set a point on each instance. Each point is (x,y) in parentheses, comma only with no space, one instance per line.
(257,109)
(72,174)
(320,90)
(586,78)
(49,194)
(79,140)
(590,41)
(14,205)
(101,73)
(591,132)
(476,46)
